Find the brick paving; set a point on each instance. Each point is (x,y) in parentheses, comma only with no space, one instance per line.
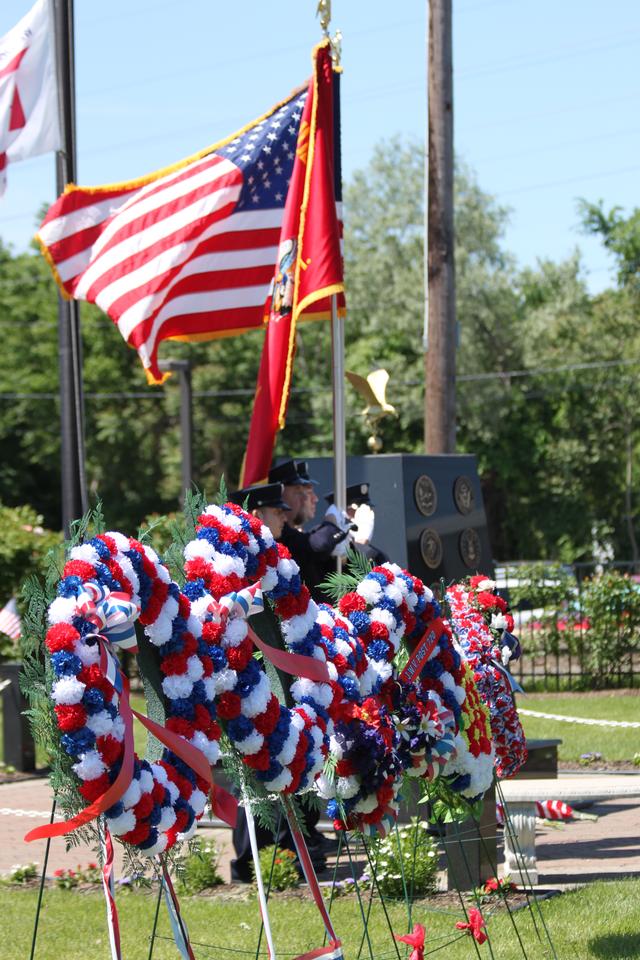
(574,853)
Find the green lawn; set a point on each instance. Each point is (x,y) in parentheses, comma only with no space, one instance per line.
(614,743)
(600,921)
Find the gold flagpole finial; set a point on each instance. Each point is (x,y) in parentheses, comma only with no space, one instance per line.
(324,13)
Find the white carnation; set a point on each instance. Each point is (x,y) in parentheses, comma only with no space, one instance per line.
(67,691)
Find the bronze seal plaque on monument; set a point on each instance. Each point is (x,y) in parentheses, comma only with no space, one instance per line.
(470,548)
(463,494)
(425,495)
(431,548)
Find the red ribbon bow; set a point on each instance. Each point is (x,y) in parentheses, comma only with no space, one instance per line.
(415,940)
(474,926)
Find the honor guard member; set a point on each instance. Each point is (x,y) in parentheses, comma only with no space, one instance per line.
(360,513)
(265,502)
(312,549)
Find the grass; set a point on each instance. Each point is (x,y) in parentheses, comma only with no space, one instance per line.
(614,743)
(598,921)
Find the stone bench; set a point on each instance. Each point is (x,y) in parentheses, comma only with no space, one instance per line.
(520,801)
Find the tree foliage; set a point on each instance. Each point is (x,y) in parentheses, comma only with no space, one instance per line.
(547,376)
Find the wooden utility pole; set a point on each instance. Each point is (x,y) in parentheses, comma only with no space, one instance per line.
(440,346)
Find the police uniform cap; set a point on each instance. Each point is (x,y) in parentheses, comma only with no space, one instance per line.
(263,495)
(287,473)
(356,493)
(303,472)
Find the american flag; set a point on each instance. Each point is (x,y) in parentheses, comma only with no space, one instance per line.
(187,252)
(10,622)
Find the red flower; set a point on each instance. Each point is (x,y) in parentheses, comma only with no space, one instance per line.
(61,637)
(259,760)
(229,706)
(175,663)
(110,749)
(144,806)
(379,631)
(474,926)
(79,568)
(92,789)
(351,602)
(212,632)
(139,833)
(71,717)
(415,940)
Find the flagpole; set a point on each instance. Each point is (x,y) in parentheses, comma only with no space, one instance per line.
(73,481)
(337,322)
(339,434)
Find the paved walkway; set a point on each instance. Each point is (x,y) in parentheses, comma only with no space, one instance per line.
(573,853)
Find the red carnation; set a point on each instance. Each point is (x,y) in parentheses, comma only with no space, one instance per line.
(180,726)
(259,760)
(201,719)
(212,632)
(351,602)
(144,806)
(175,663)
(71,717)
(158,792)
(92,789)
(62,636)
(266,722)
(79,568)
(344,768)
(379,631)
(110,749)
(138,835)
(229,706)
(290,606)
(240,656)
(184,606)
(182,819)
(189,644)
(207,665)
(109,542)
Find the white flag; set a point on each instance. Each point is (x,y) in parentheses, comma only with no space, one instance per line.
(29,123)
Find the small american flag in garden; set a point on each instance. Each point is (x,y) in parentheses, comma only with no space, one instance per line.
(187,252)
(10,622)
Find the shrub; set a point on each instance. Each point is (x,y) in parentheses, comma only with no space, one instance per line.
(611,608)
(199,870)
(283,873)
(23,546)
(409,858)
(551,590)
(22,873)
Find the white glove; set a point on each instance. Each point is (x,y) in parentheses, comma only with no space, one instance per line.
(343,523)
(364,518)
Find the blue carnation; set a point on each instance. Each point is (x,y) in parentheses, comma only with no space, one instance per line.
(66,664)
(151,839)
(240,728)
(70,587)
(194,589)
(116,810)
(360,620)
(78,742)
(93,700)
(378,650)
(219,658)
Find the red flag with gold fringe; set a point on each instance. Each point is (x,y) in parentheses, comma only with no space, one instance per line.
(309,269)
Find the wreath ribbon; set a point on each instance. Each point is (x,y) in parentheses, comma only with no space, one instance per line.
(244,603)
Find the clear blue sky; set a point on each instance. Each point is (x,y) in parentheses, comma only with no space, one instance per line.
(546,97)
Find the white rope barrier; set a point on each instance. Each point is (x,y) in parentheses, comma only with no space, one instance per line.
(585,720)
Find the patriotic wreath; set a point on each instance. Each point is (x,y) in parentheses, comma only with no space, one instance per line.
(356,726)
(107,584)
(482,626)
